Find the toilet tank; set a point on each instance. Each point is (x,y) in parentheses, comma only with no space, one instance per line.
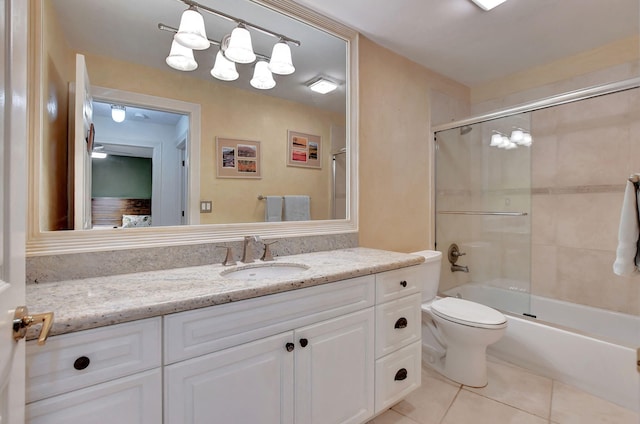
(430,273)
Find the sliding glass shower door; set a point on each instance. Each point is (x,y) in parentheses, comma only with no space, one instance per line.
(483,212)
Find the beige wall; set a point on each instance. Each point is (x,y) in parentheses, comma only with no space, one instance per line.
(394,153)
(56,73)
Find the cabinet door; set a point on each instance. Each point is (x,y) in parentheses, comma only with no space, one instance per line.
(129,400)
(250,383)
(335,370)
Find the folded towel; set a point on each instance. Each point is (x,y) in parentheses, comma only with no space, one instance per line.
(296,208)
(628,234)
(273,209)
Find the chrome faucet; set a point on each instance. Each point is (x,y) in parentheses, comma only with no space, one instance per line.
(462,268)
(247,250)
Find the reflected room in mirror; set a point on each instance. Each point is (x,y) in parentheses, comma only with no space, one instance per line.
(157,118)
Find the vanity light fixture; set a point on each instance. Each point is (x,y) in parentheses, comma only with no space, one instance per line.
(118,113)
(519,137)
(487,5)
(234,48)
(262,78)
(322,85)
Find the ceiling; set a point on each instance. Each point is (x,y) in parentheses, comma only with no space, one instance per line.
(458,39)
(127,30)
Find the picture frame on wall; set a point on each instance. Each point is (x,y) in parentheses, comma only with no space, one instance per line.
(238,158)
(304,150)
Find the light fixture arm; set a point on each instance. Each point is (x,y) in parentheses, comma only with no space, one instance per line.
(168,28)
(192,3)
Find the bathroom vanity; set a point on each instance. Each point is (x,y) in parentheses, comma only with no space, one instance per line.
(338,342)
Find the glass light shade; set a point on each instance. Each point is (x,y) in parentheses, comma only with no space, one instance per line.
(191,32)
(511,145)
(496,140)
(224,69)
(118,113)
(527,140)
(240,49)
(505,142)
(262,78)
(98,155)
(181,57)
(517,136)
(280,62)
(488,4)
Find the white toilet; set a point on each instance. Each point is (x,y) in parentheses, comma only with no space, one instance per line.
(456,332)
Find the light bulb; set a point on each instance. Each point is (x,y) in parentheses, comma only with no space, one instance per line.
(118,113)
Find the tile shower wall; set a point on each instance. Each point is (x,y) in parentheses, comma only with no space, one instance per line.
(582,155)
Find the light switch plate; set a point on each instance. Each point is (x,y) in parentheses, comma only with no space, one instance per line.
(206,206)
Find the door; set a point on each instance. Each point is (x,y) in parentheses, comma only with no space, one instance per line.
(335,370)
(13,176)
(83,134)
(249,383)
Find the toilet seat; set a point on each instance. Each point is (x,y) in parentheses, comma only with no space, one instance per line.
(468,313)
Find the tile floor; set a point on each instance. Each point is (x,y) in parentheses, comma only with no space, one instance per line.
(513,396)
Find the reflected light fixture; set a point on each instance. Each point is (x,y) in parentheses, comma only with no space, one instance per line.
(224,69)
(487,5)
(280,62)
(519,137)
(262,77)
(181,57)
(118,113)
(234,48)
(98,155)
(322,86)
(238,48)
(191,32)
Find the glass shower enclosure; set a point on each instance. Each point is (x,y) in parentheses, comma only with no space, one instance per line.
(483,211)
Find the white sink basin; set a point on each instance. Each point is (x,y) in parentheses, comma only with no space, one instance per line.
(263,270)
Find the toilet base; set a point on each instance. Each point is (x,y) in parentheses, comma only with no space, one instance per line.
(464,367)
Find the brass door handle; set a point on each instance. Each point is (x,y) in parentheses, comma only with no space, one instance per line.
(22,321)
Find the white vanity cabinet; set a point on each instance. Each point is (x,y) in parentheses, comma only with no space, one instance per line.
(398,335)
(109,374)
(321,355)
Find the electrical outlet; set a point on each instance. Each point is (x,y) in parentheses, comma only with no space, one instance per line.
(206,206)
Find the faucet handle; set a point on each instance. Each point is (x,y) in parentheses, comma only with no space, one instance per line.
(267,255)
(228,260)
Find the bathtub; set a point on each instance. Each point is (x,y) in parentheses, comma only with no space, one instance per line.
(589,348)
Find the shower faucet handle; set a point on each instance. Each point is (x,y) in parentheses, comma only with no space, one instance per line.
(458,254)
(454,253)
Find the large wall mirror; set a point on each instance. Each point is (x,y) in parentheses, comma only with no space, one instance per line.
(197,157)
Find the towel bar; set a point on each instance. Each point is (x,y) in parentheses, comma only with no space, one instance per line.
(261,197)
(483,213)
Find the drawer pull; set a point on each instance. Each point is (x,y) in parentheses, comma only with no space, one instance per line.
(401,374)
(81,363)
(304,342)
(289,347)
(403,283)
(401,323)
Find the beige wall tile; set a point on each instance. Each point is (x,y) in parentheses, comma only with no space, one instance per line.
(543,219)
(544,270)
(588,221)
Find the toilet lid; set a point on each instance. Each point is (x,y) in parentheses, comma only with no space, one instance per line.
(468,313)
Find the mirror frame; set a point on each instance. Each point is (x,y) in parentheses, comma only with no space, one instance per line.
(42,243)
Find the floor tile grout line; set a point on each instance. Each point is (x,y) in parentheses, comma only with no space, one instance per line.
(553,388)
(547,417)
(450,405)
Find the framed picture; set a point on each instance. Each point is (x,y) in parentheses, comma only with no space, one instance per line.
(237,158)
(304,150)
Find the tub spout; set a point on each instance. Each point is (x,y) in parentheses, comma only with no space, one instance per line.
(462,268)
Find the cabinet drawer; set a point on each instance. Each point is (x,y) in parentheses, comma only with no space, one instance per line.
(398,323)
(72,361)
(193,333)
(398,283)
(135,399)
(397,375)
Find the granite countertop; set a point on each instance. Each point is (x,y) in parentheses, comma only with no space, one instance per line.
(96,302)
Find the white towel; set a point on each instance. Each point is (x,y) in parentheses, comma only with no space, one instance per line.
(628,234)
(296,208)
(273,209)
